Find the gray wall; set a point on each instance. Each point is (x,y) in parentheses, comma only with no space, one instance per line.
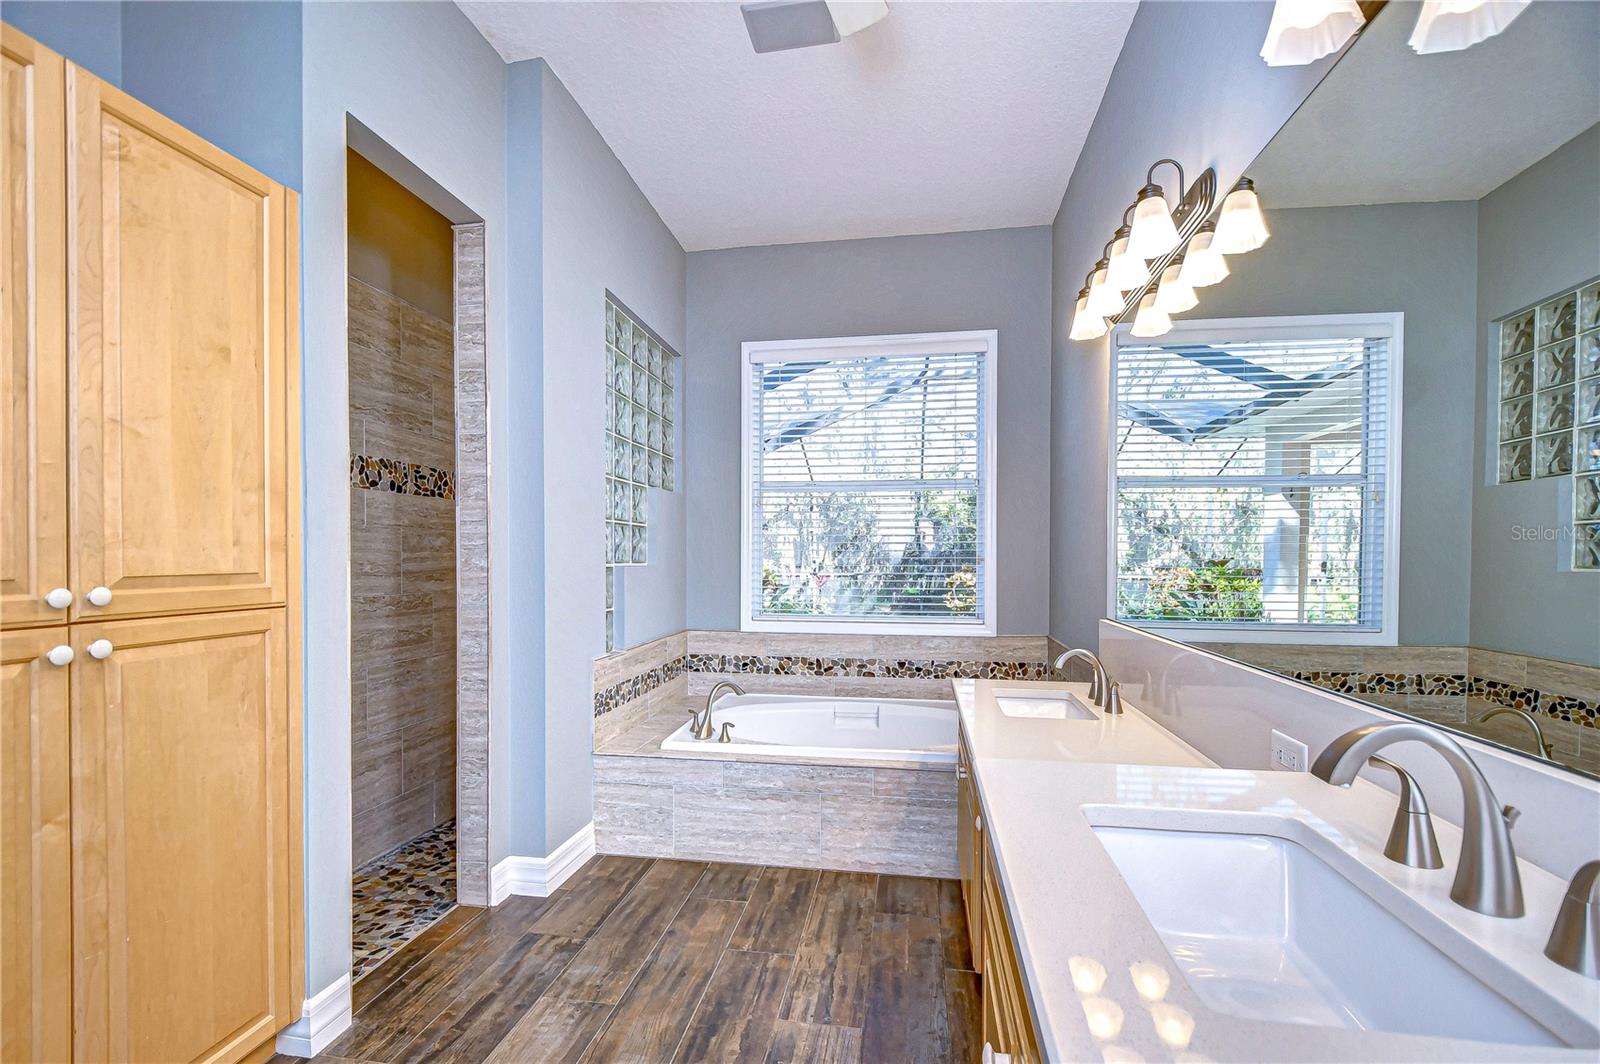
(995,279)
(1419,259)
(596,231)
(422,78)
(1188,84)
(89,32)
(1538,234)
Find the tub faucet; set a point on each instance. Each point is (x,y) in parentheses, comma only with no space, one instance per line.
(1101,690)
(1486,872)
(701,728)
(1540,747)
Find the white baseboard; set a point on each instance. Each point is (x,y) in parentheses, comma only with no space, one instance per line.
(538,877)
(325,1017)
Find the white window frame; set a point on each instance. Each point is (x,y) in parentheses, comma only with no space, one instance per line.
(1298,326)
(842,347)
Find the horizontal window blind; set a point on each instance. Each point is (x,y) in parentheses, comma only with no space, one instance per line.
(866,488)
(1250,480)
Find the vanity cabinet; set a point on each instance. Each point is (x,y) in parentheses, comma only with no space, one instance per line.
(1007,1017)
(149,620)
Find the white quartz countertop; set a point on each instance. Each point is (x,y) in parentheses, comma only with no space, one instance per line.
(1043,784)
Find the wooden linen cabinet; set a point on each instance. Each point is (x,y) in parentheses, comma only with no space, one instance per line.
(149,565)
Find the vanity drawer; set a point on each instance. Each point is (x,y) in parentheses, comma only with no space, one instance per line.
(969,843)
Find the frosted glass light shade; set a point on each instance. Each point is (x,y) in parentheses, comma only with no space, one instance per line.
(1104,301)
(1085,326)
(1150,321)
(1127,270)
(1175,297)
(1153,232)
(1452,25)
(1241,227)
(1303,31)
(1203,264)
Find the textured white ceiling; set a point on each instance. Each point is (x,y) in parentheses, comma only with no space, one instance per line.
(942,117)
(1390,126)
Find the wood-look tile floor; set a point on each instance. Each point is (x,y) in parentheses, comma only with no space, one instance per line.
(641,960)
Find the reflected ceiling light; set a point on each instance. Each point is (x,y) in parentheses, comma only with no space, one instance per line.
(1203,264)
(1451,25)
(1241,227)
(1151,320)
(1088,974)
(1104,300)
(1085,326)
(1127,270)
(1303,31)
(1173,296)
(1154,232)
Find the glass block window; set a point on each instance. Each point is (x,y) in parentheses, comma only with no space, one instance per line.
(640,399)
(1549,388)
(1586,521)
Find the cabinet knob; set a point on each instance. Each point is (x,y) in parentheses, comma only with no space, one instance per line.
(961,772)
(977,821)
(991,1057)
(100,649)
(58,598)
(99,596)
(58,656)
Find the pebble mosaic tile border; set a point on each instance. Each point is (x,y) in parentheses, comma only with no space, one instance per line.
(398,895)
(372,473)
(1548,703)
(621,693)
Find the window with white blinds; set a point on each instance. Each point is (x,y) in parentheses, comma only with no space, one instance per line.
(868,483)
(1254,465)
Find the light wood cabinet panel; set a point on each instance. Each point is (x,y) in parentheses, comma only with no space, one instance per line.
(33,380)
(183,836)
(35,855)
(177,348)
(1007,1017)
(969,843)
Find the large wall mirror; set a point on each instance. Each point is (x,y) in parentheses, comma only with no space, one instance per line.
(1369,458)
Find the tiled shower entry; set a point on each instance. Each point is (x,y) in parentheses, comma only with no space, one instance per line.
(397,895)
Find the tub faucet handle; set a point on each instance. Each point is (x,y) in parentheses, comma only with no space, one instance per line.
(725,735)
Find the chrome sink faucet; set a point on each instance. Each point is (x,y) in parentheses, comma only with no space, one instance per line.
(701,726)
(1486,872)
(1102,692)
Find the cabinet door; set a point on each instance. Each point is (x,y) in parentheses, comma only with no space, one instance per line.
(33,367)
(35,858)
(182,934)
(969,843)
(176,289)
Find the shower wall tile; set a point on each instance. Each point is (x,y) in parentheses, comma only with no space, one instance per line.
(402,551)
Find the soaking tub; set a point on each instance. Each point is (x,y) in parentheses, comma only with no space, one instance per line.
(867,729)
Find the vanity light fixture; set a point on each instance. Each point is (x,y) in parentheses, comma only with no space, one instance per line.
(1085,326)
(1173,296)
(1127,271)
(1241,227)
(1104,299)
(1455,25)
(1203,264)
(1151,319)
(1303,31)
(1154,233)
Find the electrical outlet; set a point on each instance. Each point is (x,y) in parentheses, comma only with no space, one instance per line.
(1288,754)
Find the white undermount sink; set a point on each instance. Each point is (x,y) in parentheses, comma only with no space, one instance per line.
(1041,704)
(1262,927)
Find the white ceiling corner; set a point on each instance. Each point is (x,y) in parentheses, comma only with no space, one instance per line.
(943,117)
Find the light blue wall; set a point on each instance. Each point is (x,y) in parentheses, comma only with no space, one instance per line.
(422,78)
(1188,84)
(1419,259)
(88,32)
(994,279)
(598,231)
(1538,234)
(228,71)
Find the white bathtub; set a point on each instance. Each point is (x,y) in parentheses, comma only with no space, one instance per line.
(867,729)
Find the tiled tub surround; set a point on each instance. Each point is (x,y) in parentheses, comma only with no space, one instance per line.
(402,586)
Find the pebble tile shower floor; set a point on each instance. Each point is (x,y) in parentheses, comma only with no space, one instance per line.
(400,894)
